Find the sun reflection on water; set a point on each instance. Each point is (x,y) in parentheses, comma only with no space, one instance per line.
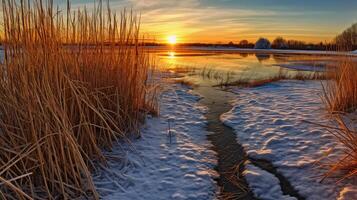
(171,54)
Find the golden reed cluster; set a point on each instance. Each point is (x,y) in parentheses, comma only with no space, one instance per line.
(341,93)
(340,96)
(72,83)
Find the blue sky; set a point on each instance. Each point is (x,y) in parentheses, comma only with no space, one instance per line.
(234,20)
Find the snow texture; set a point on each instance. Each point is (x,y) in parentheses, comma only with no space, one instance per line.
(264,185)
(270,123)
(157,166)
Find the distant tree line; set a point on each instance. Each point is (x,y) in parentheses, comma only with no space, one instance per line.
(277,43)
(347,40)
(281,43)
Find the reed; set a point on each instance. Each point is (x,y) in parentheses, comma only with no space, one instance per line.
(340,97)
(72,83)
(281,75)
(345,165)
(340,94)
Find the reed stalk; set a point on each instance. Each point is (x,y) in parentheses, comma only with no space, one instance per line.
(71,84)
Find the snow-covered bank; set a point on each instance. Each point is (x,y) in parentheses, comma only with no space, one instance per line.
(263,184)
(158,166)
(269,122)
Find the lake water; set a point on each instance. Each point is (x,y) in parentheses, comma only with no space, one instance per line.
(227,64)
(211,66)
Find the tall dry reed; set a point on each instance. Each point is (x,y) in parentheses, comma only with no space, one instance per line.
(346,165)
(340,97)
(72,83)
(340,94)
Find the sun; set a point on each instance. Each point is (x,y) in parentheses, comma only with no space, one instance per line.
(172,39)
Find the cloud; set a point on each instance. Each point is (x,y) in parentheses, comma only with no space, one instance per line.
(154,4)
(202,20)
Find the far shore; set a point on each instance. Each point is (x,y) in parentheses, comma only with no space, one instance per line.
(263,51)
(250,50)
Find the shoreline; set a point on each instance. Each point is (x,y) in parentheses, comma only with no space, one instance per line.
(261,51)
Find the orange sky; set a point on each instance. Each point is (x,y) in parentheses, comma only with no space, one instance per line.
(211,21)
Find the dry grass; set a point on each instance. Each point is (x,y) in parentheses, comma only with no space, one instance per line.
(344,167)
(182,81)
(340,97)
(340,94)
(281,75)
(70,86)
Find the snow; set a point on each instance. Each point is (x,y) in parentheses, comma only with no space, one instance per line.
(157,166)
(349,192)
(270,123)
(264,185)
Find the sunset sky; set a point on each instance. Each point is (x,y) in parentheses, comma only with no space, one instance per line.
(234,20)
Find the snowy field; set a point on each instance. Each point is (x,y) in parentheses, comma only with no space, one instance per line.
(158,166)
(269,122)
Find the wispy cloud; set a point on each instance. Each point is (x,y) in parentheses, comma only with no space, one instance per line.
(225,20)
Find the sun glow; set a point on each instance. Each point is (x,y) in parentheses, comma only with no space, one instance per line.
(171,54)
(172,39)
